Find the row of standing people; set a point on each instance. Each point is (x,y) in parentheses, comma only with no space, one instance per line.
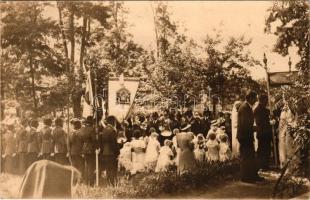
(23,145)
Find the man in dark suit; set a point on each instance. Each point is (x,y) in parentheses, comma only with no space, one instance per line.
(264,132)
(154,122)
(197,126)
(245,136)
(109,149)
(88,134)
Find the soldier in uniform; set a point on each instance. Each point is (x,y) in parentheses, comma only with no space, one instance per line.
(89,146)
(46,140)
(76,146)
(22,146)
(33,147)
(10,150)
(60,144)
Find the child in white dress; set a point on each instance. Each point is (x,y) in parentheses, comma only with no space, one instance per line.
(200,148)
(213,130)
(213,148)
(175,146)
(165,157)
(224,152)
(124,158)
(152,152)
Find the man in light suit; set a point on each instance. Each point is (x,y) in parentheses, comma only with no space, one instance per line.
(245,136)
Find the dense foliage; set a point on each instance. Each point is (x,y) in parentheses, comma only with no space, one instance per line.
(152,185)
(44,67)
(289,21)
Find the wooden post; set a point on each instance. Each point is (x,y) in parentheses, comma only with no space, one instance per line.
(271,112)
(96,127)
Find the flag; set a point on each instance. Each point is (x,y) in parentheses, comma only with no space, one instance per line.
(122,92)
(88,97)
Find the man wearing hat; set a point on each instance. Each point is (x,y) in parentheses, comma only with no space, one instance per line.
(154,122)
(22,146)
(33,146)
(245,136)
(197,126)
(46,139)
(60,142)
(76,145)
(109,150)
(88,134)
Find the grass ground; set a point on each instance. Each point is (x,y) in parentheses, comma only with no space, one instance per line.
(9,185)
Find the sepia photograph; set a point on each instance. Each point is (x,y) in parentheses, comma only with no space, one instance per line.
(155,99)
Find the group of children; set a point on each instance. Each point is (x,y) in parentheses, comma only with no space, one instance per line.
(214,147)
(146,153)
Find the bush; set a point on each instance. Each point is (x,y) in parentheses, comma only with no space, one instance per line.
(151,185)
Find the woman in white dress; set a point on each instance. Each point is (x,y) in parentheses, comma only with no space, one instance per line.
(285,140)
(152,151)
(234,120)
(138,147)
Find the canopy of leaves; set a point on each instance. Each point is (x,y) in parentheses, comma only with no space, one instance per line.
(291,19)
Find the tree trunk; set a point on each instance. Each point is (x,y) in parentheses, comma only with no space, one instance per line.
(64,40)
(156,31)
(72,38)
(33,89)
(2,106)
(82,52)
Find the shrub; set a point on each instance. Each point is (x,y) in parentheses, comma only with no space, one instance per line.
(151,185)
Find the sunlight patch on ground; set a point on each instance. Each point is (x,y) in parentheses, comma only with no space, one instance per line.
(9,185)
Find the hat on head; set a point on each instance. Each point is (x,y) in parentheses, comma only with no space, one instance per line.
(214,122)
(155,115)
(88,120)
(154,134)
(166,133)
(186,127)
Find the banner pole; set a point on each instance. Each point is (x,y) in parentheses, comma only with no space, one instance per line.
(96,127)
(271,113)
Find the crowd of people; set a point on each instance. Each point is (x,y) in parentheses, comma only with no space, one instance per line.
(142,143)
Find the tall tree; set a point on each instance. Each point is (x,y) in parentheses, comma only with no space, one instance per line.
(92,14)
(291,22)
(25,40)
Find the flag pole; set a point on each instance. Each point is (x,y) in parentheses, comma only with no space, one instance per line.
(96,126)
(271,112)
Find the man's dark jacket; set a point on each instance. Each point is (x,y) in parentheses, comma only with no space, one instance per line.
(263,127)
(107,141)
(89,139)
(245,131)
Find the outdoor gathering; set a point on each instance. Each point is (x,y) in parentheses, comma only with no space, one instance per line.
(155,99)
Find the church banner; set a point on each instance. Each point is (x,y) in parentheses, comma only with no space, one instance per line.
(277,79)
(121,94)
